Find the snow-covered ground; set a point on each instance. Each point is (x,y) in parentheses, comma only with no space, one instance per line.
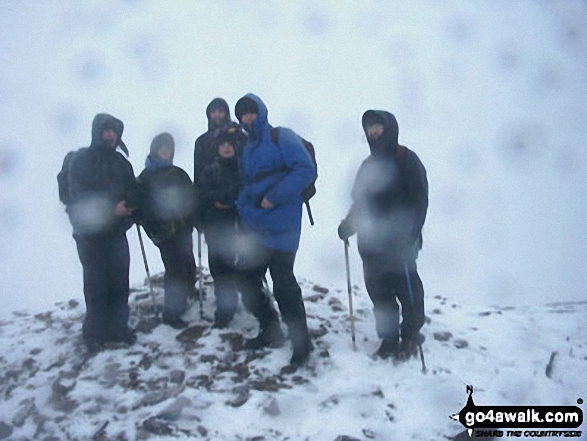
(200,383)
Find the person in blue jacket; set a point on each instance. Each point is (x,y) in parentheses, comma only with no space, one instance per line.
(270,209)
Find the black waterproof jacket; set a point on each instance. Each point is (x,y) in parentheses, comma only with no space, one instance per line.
(390,197)
(167,203)
(204,147)
(99,178)
(220,182)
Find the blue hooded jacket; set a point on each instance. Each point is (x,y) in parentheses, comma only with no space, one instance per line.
(278,227)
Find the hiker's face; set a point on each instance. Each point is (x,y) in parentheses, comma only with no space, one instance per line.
(217,115)
(374,131)
(226,150)
(248,119)
(165,153)
(110,137)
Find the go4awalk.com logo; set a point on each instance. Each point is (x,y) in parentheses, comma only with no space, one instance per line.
(518,421)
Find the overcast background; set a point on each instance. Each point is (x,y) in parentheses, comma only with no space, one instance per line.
(490,94)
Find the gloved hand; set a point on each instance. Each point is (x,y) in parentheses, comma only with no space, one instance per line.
(345,230)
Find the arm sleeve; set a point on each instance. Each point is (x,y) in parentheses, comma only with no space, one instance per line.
(418,185)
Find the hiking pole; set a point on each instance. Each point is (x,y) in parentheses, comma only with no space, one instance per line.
(406,272)
(201,273)
(348,283)
(309,213)
(147,270)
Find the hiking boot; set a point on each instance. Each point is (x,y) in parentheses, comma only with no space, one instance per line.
(127,336)
(389,347)
(408,348)
(301,353)
(221,321)
(271,336)
(93,344)
(176,323)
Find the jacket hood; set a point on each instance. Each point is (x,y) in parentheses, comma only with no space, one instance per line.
(386,145)
(162,140)
(261,122)
(218,103)
(104,121)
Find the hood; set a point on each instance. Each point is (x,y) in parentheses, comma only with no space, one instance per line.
(162,140)
(386,145)
(261,122)
(105,121)
(218,102)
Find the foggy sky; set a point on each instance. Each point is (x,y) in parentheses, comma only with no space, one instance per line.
(490,95)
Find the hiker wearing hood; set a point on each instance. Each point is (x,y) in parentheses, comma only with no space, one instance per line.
(270,208)
(219,184)
(390,200)
(218,115)
(102,190)
(167,205)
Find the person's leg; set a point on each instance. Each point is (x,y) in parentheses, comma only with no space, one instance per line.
(411,296)
(225,290)
(93,259)
(381,287)
(291,305)
(252,267)
(118,278)
(178,279)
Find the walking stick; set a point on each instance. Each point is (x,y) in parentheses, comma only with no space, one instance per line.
(406,272)
(348,282)
(200,275)
(147,270)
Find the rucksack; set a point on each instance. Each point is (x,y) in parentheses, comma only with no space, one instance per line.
(63,178)
(310,190)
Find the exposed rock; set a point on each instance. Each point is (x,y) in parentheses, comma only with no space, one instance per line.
(242,395)
(27,409)
(152,398)
(177,376)
(335,304)
(317,333)
(320,289)
(346,438)
(191,334)
(5,430)
(173,411)
(271,407)
(153,425)
(369,434)
(442,336)
(461,344)
(550,365)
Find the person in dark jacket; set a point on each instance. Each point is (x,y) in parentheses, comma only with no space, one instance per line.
(219,184)
(102,190)
(390,200)
(205,150)
(167,207)
(270,209)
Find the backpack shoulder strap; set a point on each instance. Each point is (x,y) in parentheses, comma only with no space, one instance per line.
(400,153)
(274,135)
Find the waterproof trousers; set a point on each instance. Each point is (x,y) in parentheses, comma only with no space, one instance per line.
(253,264)
(391,283)
(106,263)
(180,274)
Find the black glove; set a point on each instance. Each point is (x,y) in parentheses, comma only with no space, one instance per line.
(345,230)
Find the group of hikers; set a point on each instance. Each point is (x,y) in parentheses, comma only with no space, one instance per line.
(246,199)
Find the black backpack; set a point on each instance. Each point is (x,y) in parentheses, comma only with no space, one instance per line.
(63,178)
(310,190)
